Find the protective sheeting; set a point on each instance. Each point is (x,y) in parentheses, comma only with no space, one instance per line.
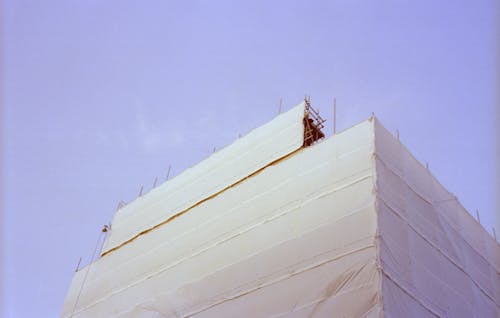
(227,166)
(437,261)
(297,239)
(352,226)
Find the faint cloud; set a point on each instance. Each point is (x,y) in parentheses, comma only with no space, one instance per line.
(176,138)
(151,137)
(103,138)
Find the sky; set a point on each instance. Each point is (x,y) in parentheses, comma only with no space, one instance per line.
(100,97)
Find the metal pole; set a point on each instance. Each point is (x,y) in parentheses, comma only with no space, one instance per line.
(168,172)
(78,265)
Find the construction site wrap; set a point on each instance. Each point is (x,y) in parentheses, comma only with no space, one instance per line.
(352,226)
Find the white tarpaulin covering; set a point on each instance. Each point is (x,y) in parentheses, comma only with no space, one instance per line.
(259,148)
(352,226)
(437,261)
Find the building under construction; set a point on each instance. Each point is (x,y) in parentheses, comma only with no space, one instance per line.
(287,223)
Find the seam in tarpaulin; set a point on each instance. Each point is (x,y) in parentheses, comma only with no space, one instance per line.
(312,303)
(277,280)
(161,270)
(439,249)
(319,302)
(338,286)
(290,267)
(332,188)
(263,285)
(436,180)
(395,211)
(290,129)
(437,209)
(205,199)
(160,222)
(200,202)
(405,149)
(401,281)
(392,266)
(433,203)
(410,294)
(443,253)
(373,305)
(411,186)
(141,308)
(117,291)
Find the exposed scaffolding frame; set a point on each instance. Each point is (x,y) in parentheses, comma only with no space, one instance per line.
(313,123)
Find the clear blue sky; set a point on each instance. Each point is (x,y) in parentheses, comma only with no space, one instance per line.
(100,97)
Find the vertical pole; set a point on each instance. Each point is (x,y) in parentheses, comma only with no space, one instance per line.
(397,133)
(140,191)
(334,115)
(494,233)
(154,183)
(281,102)
(477,216)
(80,260)
(168,173)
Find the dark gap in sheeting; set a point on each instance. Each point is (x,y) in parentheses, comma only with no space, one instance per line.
(313,123)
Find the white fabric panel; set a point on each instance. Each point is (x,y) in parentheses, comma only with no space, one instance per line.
(246,155)
(398,303)
(343,287)
(437,261)
(302,231)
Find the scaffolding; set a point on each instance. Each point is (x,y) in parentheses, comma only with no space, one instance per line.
(313,123)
